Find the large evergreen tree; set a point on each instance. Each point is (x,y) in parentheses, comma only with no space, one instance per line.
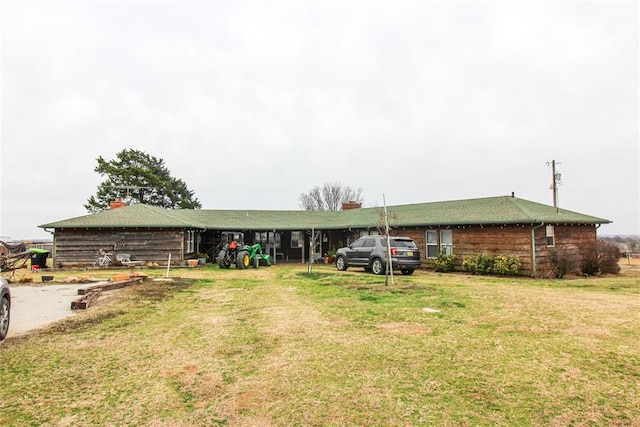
(143,179)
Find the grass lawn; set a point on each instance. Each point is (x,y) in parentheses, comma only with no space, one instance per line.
(276,346)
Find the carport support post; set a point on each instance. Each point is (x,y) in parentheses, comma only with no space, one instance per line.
(275,250)
(311,246)
(53,250)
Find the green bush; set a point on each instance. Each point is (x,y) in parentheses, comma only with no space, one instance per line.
(445,263)
(470,264)
(506,265)
(478,264)
(483,264)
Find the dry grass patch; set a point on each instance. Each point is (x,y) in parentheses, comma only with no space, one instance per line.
(275,346)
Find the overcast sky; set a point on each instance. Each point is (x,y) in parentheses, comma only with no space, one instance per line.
(254,103)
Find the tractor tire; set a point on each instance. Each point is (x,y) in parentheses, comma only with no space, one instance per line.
(243,260)
(222,259)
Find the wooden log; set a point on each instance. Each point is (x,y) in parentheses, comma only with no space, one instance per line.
(108,286)
(85,301)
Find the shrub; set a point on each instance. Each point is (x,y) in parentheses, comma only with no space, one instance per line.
(485,264)
(475,264)
(488,264)
(470,264)
(445,263)
(562,262)
(507,265)
(600,257)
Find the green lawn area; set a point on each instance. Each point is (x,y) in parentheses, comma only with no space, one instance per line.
(277,346)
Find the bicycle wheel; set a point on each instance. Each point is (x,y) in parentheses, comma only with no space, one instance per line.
(14,275)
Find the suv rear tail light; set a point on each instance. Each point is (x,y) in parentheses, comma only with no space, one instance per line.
(394,251)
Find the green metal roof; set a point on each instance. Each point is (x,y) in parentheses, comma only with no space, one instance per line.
(490,210)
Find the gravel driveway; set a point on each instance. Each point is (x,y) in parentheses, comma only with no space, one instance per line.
(33,307)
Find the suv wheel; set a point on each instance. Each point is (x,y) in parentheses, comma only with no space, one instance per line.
(5,306)
(377,267)
(407,271)
(341,263)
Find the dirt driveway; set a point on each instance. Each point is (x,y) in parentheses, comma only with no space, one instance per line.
(33,307)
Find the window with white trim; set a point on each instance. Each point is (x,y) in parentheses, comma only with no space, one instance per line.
(446,242)
(267,239)
(364,233)
(228,236)
(551,238)
(439,241)
(297,239)
(190,241)
(432,243)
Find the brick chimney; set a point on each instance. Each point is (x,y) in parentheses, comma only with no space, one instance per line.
(351,205)
(118,203)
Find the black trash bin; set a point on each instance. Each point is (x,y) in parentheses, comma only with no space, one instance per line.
(39,257)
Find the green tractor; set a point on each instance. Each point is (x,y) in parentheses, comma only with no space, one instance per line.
(243,256)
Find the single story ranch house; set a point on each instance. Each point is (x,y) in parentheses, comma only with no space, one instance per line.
(503,225)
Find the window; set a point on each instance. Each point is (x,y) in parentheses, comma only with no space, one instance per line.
(297,239)
(357,244)
(364,233)
(432,243)
(439,241)
(190,243)
(274,239)
(446,242)
(369,243)
(228,236)
(401,243)
(551,240)
(267,239)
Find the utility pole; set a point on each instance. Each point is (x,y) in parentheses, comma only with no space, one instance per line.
(555,181)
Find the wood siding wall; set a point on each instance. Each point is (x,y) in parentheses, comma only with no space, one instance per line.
(508,240)
(570,239)
(82,246)
(78,247)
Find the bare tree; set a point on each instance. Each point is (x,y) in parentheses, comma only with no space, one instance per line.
(329,197)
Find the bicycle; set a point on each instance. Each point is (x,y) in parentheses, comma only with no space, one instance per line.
(104,260)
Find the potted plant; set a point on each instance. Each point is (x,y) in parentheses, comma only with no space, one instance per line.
(330,256)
